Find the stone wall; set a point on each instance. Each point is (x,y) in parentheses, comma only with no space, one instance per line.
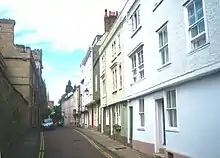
(13,111)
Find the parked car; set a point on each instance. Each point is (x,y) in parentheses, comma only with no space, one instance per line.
(60,123)
(47,124)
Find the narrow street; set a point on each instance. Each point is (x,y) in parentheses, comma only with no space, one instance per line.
(67,143)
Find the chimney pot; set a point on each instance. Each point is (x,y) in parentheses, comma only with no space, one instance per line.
(106,12)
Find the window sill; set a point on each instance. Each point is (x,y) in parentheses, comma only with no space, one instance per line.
(164,66)
(140,80)
(199,48)
(135,31)
(115,91)
(157,5)
(120,89)
(141,129)
(172,129)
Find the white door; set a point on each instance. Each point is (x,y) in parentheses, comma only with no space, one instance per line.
(160,124)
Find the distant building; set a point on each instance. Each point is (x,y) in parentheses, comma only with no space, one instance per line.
(51,104)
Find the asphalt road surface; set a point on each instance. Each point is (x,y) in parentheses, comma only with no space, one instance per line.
(67,143)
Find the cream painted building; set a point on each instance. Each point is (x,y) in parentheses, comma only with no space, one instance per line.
(112,81)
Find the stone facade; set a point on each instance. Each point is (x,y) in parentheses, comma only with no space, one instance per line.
(13,109)
(24,68)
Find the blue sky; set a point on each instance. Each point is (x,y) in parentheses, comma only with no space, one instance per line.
(63,29)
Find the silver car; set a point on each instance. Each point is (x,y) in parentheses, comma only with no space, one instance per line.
(47,123)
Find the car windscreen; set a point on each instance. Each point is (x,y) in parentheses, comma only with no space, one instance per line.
(48,121)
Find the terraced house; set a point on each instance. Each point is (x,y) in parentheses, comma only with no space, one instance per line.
(112,80)
(174,73)
(159,73)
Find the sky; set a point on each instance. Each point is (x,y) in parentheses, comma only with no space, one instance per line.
(63,29)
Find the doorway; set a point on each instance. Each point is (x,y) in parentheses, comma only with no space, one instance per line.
(131,124)
(160,124)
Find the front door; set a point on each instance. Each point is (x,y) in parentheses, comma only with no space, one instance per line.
(160,124)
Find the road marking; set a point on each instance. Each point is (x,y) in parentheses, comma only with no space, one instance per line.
(41,151)
(95,145)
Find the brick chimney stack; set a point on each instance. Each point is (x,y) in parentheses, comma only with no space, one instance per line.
(109,19)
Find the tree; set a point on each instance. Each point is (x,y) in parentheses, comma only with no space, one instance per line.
(57,113)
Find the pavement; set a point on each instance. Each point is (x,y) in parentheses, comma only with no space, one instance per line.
(68,143)
(24,146)
(112,146)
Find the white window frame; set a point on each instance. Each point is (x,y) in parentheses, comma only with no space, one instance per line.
(120,76)
(135,19)
(137,65)
(114,79)
(103,62)
(140,55)
(96,83)
(134,67)
(163,45)
(169,107)
(114,49)
(196,23)
(104,86)
(141,113)
(119,43)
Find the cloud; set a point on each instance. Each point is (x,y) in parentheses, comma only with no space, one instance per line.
(68,24)
(63,29)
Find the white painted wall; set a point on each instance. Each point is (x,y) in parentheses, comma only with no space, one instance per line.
(198,118)
(67,107)
(197,104)
(181,60)
(86,74)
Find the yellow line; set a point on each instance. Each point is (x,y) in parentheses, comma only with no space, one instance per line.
(42,142)
(42,156)
(95,145)
(41,153)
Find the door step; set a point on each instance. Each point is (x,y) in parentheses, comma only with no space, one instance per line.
(159,155)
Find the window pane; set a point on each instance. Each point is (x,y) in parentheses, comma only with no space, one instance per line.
(138,12)
(142,119)
(198,41)
(173,98)
(198,4)
(192,20)
(168,100)
(142,74)
(199,14)
(160,39)
(165,36)
(166,54)
(162,52)
(141,105)
(191,10)
(201,26)
(194,31)
(134,72)
(172,116)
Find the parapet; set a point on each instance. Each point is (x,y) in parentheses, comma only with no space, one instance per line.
(20,48)
(7,21)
